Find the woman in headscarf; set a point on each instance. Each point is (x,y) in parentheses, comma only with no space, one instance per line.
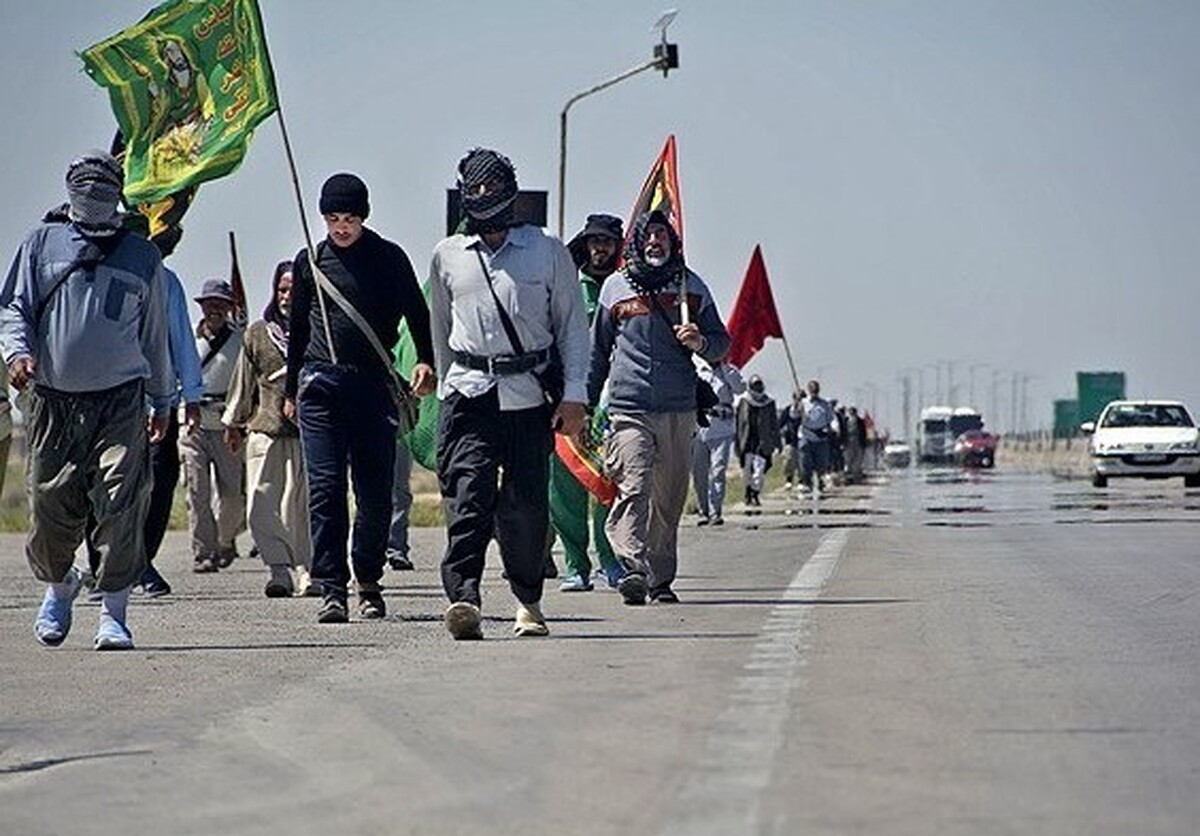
(276,487)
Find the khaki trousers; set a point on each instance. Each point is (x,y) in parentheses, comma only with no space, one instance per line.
(649,457)
(278,500)
(204,455)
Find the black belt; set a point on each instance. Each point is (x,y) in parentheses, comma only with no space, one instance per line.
(503,364)
(721,411)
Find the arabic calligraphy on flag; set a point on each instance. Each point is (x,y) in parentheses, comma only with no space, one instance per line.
(188,85)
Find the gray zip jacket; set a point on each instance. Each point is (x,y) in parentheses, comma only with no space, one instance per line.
(104,326)
(636,351)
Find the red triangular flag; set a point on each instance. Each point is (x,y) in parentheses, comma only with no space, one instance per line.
(754,316)
(661,192)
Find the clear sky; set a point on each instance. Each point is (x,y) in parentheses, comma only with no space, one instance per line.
(1012,183)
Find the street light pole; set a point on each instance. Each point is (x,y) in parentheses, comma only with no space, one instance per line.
(666,58)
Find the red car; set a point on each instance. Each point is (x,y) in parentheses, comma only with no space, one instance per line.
(975,448)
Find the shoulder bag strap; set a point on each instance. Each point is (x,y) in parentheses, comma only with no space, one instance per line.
(327,286)
(505,320)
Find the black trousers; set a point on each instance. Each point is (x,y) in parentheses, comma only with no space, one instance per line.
(347,419)
(494,475)
(164,474)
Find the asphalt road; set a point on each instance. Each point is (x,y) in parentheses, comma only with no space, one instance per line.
(935,653)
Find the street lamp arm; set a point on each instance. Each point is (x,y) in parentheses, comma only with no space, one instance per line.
(656,62)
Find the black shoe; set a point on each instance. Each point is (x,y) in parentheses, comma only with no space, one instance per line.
(633,589)
(664,596)
(371,605)
(204,564)
(718,521)
(154,585)
(703,521)
(333,610)
(400,563)
(550,570)
(225,557)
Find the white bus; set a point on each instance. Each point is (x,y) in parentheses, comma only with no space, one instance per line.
(939,427)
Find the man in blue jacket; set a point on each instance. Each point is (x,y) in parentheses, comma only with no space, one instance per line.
(642,345)
(83,319)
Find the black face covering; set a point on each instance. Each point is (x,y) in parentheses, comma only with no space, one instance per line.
(645,277)
(490,210)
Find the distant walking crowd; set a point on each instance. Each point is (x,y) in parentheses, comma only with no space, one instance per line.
(275,424)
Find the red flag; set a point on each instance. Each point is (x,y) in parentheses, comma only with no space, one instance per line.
(661,192)
(754,316)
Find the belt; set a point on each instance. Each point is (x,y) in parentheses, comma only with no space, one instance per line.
(503,364)
(721,411)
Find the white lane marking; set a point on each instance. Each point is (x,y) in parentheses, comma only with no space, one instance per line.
(721,795)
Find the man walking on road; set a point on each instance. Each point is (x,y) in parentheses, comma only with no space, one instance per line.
(83,319)
(207,460)
(710,450)
(511,340)
(757,438)
(342,332)
(595,251)
(817,430)
(642,347)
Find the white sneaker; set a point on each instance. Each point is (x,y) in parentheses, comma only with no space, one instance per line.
(530,622)
(306,587)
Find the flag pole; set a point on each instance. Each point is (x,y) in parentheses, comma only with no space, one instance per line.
(308,243)
(791,365)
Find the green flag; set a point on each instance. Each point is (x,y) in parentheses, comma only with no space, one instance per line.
(188,84)
(422,439)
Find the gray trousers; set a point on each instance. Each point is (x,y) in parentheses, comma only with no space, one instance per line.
(649,457)
(710,462)
(88,453)
(402,500)
(204,454)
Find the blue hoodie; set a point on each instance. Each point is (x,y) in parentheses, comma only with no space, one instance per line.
(634,349)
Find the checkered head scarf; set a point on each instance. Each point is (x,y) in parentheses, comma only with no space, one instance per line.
(646,277)
(487,187)
(94,182)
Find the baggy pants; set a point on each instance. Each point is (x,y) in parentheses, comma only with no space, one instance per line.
(278,500)
(88,454)
(649,456)
(494,475)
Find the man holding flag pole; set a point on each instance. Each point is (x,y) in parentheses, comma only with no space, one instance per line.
(654,314)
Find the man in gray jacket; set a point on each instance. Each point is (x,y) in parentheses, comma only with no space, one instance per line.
(83,319)
(642,345)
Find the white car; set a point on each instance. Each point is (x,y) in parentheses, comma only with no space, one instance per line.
(1146,439)
(897,454)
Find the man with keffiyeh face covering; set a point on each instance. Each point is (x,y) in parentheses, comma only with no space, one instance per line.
(83,320)
(506,312)
(642,346)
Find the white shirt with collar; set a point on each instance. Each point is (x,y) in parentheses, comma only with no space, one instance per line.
(535,279)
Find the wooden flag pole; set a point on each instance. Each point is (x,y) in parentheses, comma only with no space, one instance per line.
(791,365)
(308,243)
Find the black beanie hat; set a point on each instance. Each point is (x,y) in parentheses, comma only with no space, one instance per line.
(345,193)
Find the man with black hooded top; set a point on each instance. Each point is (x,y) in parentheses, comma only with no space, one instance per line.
(642,345)
(343,392)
